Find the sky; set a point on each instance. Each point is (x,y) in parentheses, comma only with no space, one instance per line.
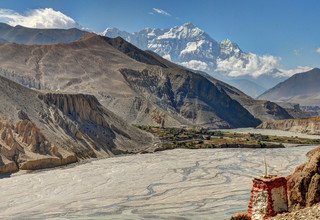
(282,28)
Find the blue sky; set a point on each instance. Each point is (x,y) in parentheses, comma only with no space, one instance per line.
(284,28)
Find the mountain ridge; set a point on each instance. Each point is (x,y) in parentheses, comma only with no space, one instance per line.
(24,35)
(100,66)
(301,88)
(192,47)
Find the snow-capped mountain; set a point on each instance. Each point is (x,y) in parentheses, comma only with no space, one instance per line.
(186,44)
(192,47)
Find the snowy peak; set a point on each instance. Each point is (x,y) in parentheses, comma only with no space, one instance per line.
(186,44)
(189,25)
(185,31)
(229,49)
(192,47)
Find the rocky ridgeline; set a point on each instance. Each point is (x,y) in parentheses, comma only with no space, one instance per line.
(304,125)
(109,64)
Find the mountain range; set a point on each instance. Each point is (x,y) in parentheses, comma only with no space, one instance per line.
(152,88)
(192,47)
(187,45)
(302,88)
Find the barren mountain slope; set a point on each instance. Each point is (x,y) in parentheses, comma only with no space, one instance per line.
(130,82)
(264,110)
(40,130)
(24,35)
(302,88)
(261,109)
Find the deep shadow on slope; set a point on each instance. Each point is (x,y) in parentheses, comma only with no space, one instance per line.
(190,95)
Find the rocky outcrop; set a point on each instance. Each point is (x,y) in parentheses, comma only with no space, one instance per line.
(7,166)
(24,147)
(274,109)
(43,130)
(304,183)
(80,107)
(310,213)
(304,125)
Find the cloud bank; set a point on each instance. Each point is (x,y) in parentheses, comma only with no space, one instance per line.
(196,65)
(38,18)
(161,12)
(248,64)
(291,72)
(255,66)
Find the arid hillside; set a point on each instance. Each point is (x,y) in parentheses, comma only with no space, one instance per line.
(303,125)
(302,88)
(137,85)
(41,130)
(24,35)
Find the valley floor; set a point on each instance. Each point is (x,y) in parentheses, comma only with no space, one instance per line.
(180,183)
(272,132)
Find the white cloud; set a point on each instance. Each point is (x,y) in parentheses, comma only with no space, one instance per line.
(249,64)
(255,66)
(196,65)
(291,72)
(161,12)
(318,50)
(38,18)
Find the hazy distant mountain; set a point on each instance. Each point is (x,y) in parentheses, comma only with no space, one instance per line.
(140,86)
(302,88)
(248,87)
(24,35)
(192,47)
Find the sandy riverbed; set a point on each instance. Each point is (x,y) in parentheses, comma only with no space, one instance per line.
(176,184)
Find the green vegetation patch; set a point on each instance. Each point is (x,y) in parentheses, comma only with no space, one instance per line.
(200,138)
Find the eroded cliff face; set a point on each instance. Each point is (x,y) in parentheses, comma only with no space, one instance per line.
(304,183)
(23,146)
(64,128)
(304,125)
